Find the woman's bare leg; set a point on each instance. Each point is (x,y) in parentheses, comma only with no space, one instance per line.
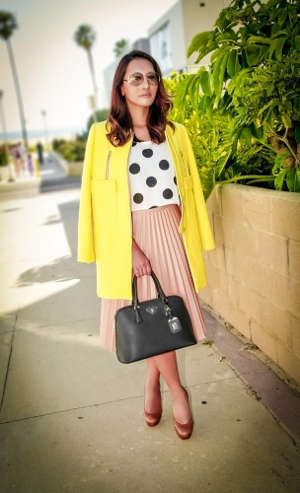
(152,387)
(167,365)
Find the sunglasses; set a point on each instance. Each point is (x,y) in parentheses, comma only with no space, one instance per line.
(137,78)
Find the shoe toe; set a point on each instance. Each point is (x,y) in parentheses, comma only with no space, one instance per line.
(152,419)
(183,430)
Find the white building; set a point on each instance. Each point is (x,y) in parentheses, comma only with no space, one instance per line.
(170,36)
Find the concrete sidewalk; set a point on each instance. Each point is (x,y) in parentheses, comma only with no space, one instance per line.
(72,416)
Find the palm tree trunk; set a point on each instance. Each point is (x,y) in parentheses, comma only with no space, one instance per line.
(92,69)
(18,92)
(2,115)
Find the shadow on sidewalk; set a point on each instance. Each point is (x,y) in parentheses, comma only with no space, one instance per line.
(54,177)
(79,411)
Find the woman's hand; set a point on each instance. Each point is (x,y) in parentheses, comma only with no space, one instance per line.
(140,263)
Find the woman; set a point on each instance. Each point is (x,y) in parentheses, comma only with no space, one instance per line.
(141,209)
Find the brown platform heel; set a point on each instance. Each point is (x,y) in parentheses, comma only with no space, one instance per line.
(152,419)
(184,430)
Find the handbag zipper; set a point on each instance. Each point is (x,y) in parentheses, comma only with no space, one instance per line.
(107,165)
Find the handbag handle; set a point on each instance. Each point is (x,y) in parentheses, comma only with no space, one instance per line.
(160,294)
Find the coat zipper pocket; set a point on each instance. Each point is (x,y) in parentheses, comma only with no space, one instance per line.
(182,216)
(182,200)
(107,165)
(188,169)
(181,195)
(181,225)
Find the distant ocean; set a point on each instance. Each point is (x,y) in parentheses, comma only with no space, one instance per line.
(39,134)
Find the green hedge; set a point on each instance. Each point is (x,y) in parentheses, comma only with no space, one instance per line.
(4,156)
(242,111)
(72,150)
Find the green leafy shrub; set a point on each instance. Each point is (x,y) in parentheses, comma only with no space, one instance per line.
(243,112)
(72,150)
(56,143)
(4,156)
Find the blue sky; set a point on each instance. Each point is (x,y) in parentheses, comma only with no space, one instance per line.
(53,71)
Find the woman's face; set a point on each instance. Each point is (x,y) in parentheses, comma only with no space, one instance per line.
(143,94)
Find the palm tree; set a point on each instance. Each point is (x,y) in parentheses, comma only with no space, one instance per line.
(8,24)
(85,36)
(120,47)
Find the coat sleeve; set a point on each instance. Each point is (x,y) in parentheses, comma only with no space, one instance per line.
(207,238)
(85,244)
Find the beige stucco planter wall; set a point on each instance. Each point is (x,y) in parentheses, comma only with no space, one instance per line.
(71,168)
(254,272)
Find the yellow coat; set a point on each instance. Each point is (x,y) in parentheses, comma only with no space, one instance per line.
(104,222)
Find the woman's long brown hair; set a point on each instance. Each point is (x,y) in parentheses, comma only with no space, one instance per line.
(119,115)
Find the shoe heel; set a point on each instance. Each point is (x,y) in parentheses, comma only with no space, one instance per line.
(184,430)
(152,419)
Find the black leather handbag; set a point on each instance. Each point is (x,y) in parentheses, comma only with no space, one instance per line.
(152,327)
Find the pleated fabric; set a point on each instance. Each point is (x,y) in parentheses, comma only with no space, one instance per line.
(156,232)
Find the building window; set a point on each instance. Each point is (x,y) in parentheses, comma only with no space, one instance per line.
(161,48)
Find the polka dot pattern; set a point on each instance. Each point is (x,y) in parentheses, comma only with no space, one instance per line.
(151,175)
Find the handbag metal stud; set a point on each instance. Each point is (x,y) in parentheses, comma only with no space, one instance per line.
(174,324)
(151,309)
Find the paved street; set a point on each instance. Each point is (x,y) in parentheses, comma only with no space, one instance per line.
(71,416)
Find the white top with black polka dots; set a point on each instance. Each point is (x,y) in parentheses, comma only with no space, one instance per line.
(152,176)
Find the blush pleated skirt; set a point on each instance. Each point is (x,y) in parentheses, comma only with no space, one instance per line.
(156,232)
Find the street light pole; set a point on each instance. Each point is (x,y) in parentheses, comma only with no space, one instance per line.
(44,114)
